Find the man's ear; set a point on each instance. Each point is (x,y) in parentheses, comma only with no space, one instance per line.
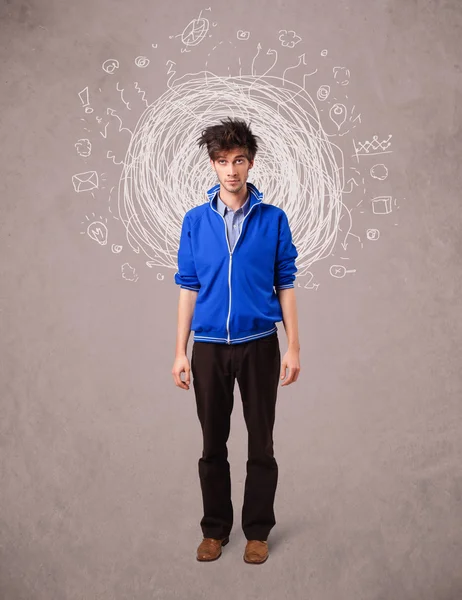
(250,164)
(212,162)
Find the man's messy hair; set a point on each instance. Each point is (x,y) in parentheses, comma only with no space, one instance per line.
(230,134)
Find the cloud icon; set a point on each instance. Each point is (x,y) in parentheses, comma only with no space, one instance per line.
(289,39)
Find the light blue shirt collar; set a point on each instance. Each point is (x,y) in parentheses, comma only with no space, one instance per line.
(221,206)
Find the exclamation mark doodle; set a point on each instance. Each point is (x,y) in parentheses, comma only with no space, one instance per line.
(85,99)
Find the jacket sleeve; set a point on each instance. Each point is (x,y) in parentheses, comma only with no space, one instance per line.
(186,276)
(285,269)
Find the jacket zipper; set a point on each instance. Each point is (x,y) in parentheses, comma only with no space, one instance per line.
(231,261)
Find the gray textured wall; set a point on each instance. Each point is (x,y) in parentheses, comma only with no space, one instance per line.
(99,490)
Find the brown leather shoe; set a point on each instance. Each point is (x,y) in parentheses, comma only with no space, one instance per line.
(210,548)
(256,552)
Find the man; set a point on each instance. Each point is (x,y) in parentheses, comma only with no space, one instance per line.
(236,271)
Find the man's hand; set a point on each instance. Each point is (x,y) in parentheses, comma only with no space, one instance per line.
(181,365)
(290,361)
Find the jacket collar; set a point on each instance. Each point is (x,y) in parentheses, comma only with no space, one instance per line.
(256,197)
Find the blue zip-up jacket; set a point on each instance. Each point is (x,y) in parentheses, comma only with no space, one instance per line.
(237,300)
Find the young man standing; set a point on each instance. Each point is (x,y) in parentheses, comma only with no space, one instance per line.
(236,271)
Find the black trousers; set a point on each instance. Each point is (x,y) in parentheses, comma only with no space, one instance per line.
(256,366)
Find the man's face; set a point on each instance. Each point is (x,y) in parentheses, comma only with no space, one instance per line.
(232,169)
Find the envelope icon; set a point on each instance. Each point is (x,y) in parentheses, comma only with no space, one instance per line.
(85,182)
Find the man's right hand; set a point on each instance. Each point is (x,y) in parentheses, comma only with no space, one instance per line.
(181,365)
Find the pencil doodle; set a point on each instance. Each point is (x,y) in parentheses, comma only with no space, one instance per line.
(289,39)
(110,65)
(83,147)
(85,182)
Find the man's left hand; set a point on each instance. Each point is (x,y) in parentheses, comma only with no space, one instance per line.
(290,361)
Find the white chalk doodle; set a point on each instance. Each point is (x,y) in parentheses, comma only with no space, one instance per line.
(112,113)
(194,32)
(84,96)
(129,273)
(340,271)
(373,234)
(379,172)
(142,92)
(142,62)
(111,155)
(323,92)
(163,173)
(116,248)
(338,114)
(381,205)
(301,61)
(341,75)
(373,147)
(288,39)
(83,147)
(127,104)
(243,35)
(171,71)
(300,164)
(110,65)
(85,182)
(98,232)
